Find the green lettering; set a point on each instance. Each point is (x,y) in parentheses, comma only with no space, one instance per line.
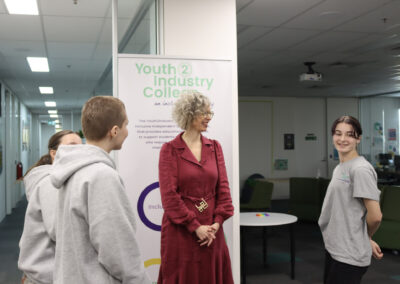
(145,92)
(139,68)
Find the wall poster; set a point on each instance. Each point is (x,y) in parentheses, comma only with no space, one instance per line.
(149,86)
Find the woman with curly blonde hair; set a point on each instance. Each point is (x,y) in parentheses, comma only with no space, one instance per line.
(196,199)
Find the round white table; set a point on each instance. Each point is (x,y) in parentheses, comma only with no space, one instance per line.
(266,219)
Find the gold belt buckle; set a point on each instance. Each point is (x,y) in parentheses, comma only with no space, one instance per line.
(203,205)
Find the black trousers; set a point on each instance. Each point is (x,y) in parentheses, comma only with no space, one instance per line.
(342,273)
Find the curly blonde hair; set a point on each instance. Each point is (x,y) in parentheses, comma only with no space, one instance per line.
(189,105)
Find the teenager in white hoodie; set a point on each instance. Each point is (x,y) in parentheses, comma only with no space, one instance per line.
(37,244)
(95,222)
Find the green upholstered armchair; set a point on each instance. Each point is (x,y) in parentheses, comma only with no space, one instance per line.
(306,197)
(388,234)
(260,199)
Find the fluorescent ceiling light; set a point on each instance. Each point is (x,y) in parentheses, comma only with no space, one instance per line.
(56,121)
(53,111)
(38,64)
(22,7)
(46,90)
(54,115)
(50,104)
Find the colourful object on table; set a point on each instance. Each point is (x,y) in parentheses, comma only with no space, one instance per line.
(262,214)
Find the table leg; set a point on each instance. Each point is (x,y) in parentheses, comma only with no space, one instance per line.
(292,250)
(265,245)
(242,255)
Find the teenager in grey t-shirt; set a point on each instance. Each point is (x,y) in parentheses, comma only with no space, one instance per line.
(350,213)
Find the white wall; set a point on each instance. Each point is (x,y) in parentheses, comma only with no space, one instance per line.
(46,132)
(26,136)
(207,29)
(289,115)
(35,140)
(72,121)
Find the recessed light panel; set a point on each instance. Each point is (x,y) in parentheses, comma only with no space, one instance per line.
(22,7)
(50,104)
(52,111)
(38,64)
(46,90)
(54,115)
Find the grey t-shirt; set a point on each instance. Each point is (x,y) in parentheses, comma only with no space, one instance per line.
(343,216)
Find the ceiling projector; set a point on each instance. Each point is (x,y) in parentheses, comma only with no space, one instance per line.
(311,75)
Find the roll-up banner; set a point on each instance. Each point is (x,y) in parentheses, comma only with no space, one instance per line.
(149,86)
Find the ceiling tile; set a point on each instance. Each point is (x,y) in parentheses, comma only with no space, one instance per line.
(70,50)
(373,22)
(334,12)
(367,41)
(251,34)
(106,33)
(126,9)
(20,27)
(248,57)
(281,38)
(64,29)
(22,48)
(241,3)
(103,51)
(273,13)
(328,41)
(83,8)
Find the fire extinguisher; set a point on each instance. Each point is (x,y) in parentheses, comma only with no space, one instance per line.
(19,171)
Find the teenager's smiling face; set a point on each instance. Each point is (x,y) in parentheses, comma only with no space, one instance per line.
(344,138)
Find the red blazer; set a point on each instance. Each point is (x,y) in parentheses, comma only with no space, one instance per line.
(184,182)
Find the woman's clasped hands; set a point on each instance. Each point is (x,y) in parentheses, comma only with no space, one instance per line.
(206,233)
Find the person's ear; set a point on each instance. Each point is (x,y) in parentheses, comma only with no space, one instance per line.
(114,131)
(52,154)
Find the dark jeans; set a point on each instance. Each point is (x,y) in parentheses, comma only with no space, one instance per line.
(342,273)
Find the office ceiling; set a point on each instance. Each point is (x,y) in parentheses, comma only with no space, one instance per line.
(355,44)
(76,39)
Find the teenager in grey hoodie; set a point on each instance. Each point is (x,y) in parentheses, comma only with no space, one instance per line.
(37,244)
(95,222)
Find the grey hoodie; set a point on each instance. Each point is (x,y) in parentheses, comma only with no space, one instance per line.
(95,222)
(37,243)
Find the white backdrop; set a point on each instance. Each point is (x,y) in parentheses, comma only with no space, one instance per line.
(149,85)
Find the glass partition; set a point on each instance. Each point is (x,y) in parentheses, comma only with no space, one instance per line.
(380,118)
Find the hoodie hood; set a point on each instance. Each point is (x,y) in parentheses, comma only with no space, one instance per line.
(34,177)
(71,158)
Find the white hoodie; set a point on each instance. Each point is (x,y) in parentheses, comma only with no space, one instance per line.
(95,222)
(37,243)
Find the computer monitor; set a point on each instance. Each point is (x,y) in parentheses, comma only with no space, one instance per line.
(385,159)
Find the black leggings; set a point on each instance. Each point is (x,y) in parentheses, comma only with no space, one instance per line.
(342,273)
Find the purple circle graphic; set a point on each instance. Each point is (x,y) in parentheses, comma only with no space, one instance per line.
(140,207)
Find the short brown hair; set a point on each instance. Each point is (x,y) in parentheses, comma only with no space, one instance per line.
(357,130)
(100,114)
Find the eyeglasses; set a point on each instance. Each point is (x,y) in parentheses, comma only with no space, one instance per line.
(209,114)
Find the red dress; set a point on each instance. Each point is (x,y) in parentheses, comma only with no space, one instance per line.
(185,184)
